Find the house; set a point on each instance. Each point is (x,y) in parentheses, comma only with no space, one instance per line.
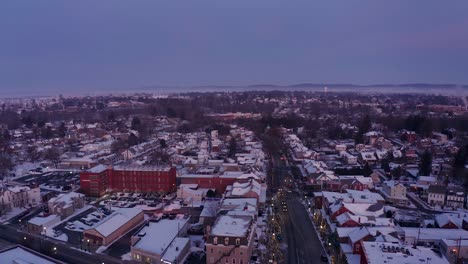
(370,210)
(230,240)
(19,197)
(349,220)
(161,241)
(114,226)
(367,157)
(190,193)
(451,220)
(430,235)
(395,192)
(250,189)
(436,195)
(455,198)
(66,204)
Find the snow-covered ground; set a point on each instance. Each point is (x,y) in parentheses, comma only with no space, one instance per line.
(196,243)
(50,232)
(12,213)
(24,168)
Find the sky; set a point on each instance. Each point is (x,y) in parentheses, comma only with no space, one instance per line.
(119,44)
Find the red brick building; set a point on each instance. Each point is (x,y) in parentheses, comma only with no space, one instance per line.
(212,181)
(100,179)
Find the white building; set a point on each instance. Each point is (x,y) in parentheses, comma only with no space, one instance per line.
(19,196)
(161,242)
(436,195)
(395,192)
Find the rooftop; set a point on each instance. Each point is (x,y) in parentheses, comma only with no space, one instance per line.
(227,225)
(98,169)
(141,168)
(156,237)
(20,255)
(116,220)
(394,253)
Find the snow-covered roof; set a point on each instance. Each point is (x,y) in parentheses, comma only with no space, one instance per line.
(42,220)
(353,195)
(156,237)
(97,169)
(364,220)
(227,225)
(20,255)
(141,168)
(391,253)
(117,219)
(175,249)
(66,198)
(455,218)
(434,233)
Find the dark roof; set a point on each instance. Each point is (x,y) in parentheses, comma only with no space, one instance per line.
(375,207)
(437,189)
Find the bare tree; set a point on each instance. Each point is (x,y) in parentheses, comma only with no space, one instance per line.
(53,155)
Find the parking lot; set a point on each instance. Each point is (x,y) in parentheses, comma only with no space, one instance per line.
(60,181)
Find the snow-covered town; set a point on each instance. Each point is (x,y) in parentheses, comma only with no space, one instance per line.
(110,185)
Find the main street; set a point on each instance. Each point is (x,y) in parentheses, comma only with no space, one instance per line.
(303,244)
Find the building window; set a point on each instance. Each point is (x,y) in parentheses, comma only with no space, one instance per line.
(215,240)
(233,261)
(211,250)
(226,241)
(237,241)
(227,260)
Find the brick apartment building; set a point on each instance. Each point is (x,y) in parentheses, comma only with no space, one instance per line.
(97,180)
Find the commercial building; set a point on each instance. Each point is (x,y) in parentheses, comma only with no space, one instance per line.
(113,226)
(161,242)
(230,240)
(96,181)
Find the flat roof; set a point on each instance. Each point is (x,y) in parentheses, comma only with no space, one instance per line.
(116,220)
(158,236)
(19,255)
(394,253)
(230,225)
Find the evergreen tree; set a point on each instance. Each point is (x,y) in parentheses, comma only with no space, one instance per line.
(425,166)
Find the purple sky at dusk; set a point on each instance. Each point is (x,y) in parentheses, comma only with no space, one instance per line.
(88,44)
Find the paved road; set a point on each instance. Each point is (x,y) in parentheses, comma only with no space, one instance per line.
(303,243)
(54,248)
